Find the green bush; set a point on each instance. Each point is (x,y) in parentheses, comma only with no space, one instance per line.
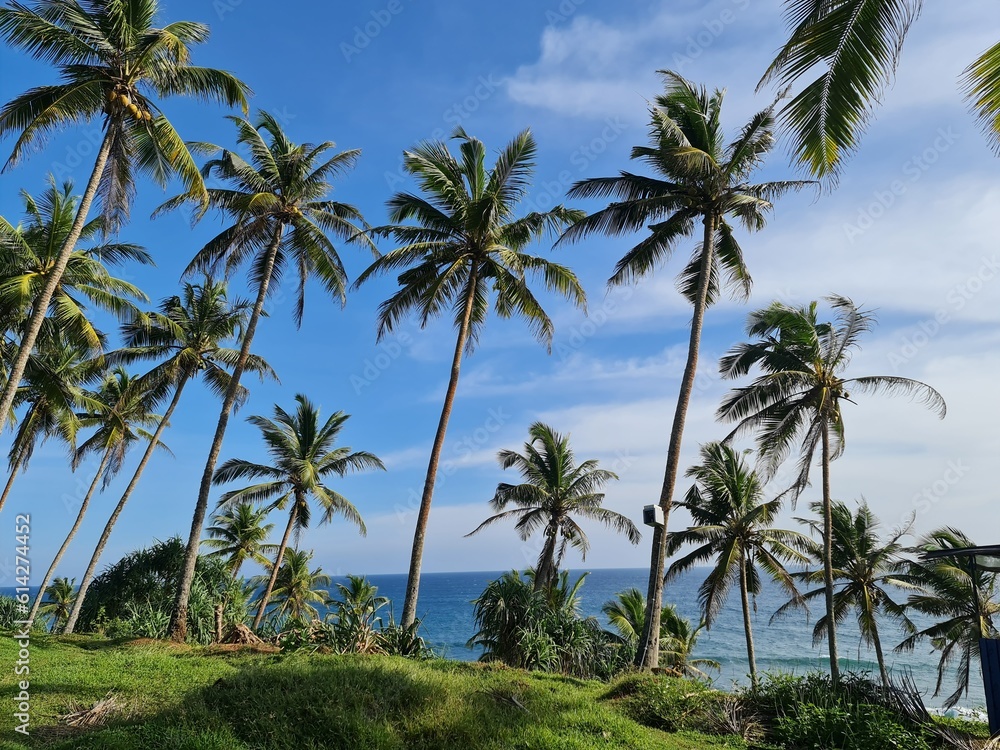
(861,727)
(354,626)
(661,702)
(544,631)
(135,596)
(812,712)
(978,729)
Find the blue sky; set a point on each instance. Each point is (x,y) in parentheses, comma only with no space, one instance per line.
(908,231)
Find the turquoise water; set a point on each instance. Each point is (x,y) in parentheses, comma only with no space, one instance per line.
(785,645)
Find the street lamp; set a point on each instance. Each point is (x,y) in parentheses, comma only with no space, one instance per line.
(986,559)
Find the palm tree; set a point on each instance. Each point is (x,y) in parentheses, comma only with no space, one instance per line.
(281,214)
(961,597)
(295,588)
(356,616)
(114,64)
(59,596)
(53,388)
(60,362)
(797,399)
(123,409)
(697,177)
(679,641)
(238,535)
(627,614)
(466,240)
(187,335)
(855,46)
(733,525)
(303,455)
(555,489)
(28,255)
(867,568)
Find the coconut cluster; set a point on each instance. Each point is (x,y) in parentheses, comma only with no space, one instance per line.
(118,98)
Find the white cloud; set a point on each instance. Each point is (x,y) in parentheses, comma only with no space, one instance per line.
(594,68)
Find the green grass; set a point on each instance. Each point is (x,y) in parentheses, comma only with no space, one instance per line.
(178,698)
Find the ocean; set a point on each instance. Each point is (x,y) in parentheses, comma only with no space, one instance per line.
(446,613)
(783,646)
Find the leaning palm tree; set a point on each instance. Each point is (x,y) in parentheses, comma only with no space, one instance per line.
(853,46)
(679,640)
(28,256)
(278,202)
(59,597)
(303,455)
(796,400)
(556,490)
(734,530)
(187,334)
(697,177)
(114,65)
(963,600)
(464,243)
(123,410)
(867,570)
(626,613)
(238,534)
(296,588)
(53,389)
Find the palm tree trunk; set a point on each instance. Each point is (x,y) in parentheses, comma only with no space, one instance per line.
(648,654)
(544,573)
(41,304)
(831,625)
(277,564)
(178,618)
(106,534)
(877,643)
(69,537)
(10,481)
(416,555)
(219,610)
(747,627)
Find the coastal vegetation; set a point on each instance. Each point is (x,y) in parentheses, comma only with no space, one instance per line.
(171,646)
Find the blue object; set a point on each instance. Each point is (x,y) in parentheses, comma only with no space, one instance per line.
(989,655)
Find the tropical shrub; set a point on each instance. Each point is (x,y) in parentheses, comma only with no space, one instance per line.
(134,597)
(678,638)
(354,625)
(543,630)
(815,711)
(10,612)
(852,727)
(664,702)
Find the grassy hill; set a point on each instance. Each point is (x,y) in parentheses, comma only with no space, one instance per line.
(180,698)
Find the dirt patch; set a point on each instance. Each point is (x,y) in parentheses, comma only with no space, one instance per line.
(150,642)
(251,648)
